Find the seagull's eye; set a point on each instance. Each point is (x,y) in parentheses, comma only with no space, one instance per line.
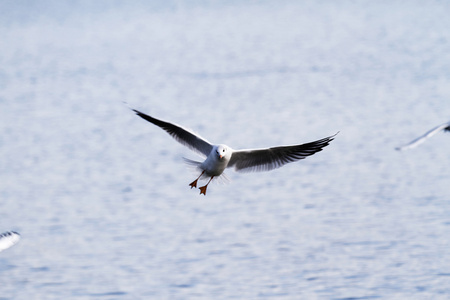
(223,150)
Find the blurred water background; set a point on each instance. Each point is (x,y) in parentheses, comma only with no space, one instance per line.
(101,197)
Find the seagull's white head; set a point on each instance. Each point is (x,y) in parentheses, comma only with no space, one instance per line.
(223,152)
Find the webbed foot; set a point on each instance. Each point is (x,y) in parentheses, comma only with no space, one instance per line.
(193,184)
(203,190)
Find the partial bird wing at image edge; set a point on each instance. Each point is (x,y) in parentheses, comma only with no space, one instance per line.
(416,142)
(8,239)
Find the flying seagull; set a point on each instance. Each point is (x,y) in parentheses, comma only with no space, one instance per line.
(422,138)
(8,239)
(219,157)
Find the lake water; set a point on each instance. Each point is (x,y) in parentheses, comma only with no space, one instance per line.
(101,197)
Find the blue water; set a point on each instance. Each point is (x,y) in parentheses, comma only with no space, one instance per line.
(101,197)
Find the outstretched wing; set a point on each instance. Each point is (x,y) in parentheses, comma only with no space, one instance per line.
(416,142)
(8,239)
(271,158)
(183,136)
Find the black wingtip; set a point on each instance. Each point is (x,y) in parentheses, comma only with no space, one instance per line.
(147,117)
(9,233)
(331,138)
(140,114)
(128,105)
(328,139)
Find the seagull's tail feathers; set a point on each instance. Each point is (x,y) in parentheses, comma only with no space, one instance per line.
(195,166)
(192,163)
(223,179)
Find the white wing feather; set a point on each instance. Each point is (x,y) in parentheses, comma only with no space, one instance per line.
(416,142)
(8,239)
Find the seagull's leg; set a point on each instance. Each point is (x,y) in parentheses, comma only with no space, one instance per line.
(194,183)
(203,188)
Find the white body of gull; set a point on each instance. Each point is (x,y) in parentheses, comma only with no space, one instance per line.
(8,239)
(220,157)
(416,142)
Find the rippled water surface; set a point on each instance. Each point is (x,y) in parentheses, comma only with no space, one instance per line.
(101,197)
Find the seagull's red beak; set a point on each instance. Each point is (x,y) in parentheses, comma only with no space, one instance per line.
(220,156)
